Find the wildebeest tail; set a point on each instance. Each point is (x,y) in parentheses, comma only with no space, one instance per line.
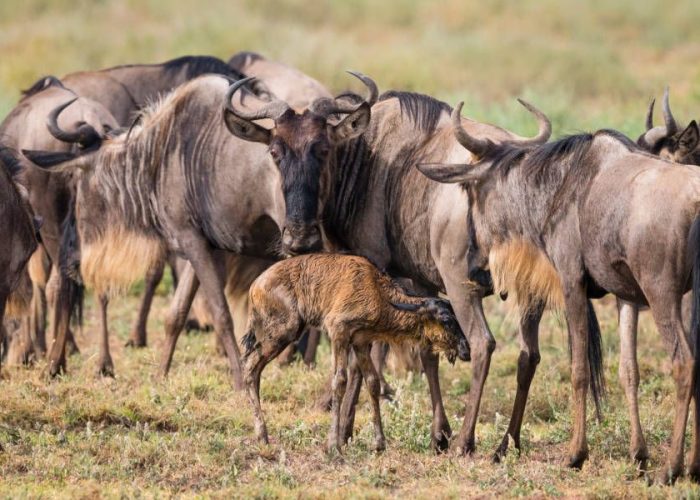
(595,360)
(694,251)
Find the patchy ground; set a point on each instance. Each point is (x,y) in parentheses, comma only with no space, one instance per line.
(81,436)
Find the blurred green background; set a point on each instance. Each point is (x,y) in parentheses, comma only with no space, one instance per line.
(589,64)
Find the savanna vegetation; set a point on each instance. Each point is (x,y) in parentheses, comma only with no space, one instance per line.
(587,65)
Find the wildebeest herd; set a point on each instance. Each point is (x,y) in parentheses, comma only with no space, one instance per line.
(407,215)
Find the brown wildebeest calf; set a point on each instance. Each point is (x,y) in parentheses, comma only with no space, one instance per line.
(357,305)
(579,218)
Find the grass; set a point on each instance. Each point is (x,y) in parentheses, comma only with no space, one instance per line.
(589,65)
(191,435)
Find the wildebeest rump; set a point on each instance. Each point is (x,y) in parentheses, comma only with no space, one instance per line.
(179,178)
(586,205)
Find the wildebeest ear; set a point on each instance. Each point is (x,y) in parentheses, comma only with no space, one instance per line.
(450,173)
(406,307)
(246,130)
(689,139)
(352,125)
(48,159)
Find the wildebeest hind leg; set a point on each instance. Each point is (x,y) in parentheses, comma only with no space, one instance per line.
(137,338)
(177,314)
(629,378)
(352,393)
(527,364)
(61,318)
(373,387)
(105,366)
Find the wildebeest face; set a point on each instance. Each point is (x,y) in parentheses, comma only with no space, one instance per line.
(301,145)
(668,141)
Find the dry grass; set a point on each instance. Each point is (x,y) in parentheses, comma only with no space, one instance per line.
(192,435)
(587,64)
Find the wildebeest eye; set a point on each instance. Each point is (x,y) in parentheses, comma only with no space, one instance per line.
(275,152)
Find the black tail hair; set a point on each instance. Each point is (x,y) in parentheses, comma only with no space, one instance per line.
(248,342)
(42,83)
(595,360)
(694,249)
(69,264)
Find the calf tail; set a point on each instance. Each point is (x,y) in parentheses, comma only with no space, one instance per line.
(694,249)
(248,342)
(595,360)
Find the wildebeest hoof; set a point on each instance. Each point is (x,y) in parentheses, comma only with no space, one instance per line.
(106,369)
(576,461)
(667,476)
(694,472)
(135,343)
(380,445)
(440,441)
(387,392)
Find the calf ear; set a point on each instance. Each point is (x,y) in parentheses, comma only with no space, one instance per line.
(688,141)
(246,130)
(352,125)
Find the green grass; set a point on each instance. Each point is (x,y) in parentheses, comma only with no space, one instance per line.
(588,65)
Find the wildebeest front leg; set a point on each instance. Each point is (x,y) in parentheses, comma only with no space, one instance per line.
(137,338)
(61,318)
(527,364)
(105,366)
(440,432)
(211,272)
(629,377)
(176,318)
(312,346)
(373,387)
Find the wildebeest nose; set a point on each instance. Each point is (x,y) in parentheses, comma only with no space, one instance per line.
(304,241)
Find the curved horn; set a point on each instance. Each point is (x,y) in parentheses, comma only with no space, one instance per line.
(85,136)
(369,83)
(478,147)
(545,127)
(650,115)
(327,107)
(273,110)
(671,127)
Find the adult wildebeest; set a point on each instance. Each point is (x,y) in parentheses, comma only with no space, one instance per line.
(182,177)
(18,228)
(380,207)
(123,91)
(51,195)
(579,218)
(280,80)
(679,145)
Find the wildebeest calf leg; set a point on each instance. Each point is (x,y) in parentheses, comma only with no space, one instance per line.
(352,394)
(340,349)
(137,338)
(629,377)
(666,310)
(177,314)
(440,432)
(37,323)
(527,364)
(211,270)
(373,387)
(105,366)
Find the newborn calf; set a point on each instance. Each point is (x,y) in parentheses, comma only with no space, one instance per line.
(356,305)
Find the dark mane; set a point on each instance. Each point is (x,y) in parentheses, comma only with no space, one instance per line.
(423,110)
(42,83)
(201,65)
(241,59)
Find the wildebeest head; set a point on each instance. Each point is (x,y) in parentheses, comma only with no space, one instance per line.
(670,141)
(301,145)
(441,331)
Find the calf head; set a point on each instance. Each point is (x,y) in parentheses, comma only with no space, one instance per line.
(670,141)
(440,327)
(301,146)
